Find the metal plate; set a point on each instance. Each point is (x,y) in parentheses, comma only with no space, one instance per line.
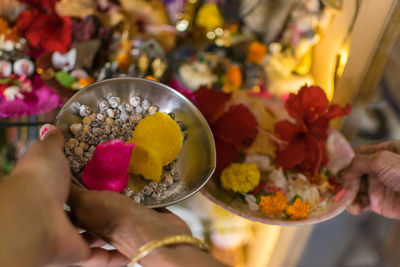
(197,159)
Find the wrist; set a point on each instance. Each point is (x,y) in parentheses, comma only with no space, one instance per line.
(179,255)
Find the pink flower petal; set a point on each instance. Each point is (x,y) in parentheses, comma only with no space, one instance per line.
(108,169)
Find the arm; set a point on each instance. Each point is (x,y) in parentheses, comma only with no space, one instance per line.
(34,228)
(127,226)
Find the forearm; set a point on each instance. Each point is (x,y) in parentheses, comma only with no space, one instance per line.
(23,239)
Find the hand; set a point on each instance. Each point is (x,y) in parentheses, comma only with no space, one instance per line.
(120,221)
(127,226)
(31,200)
(379,165)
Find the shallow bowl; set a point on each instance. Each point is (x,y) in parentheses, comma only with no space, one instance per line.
(197,159)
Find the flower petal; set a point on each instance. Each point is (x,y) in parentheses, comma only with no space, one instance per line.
(211,102)
(108,169)
(238,126)
(226,154)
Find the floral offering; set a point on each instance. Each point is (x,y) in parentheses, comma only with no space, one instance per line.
(282,161)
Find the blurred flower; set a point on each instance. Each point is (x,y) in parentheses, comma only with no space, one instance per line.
(274,204)
(256,52)
(45,30)
(234,127)
(240,177)
(298,210)
(307,135)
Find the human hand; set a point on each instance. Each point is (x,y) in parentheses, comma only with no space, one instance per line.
(31,200)
(379,165)
(127,226)
(120,221)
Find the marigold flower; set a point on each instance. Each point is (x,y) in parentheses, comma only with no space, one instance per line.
(240,177)
(299,210)
(273,204)
(256,52)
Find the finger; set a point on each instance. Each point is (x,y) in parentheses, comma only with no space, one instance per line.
(51,136)
(104,258)
(372,164)
(360,165)
(355,209)
(92,240)
(393,146)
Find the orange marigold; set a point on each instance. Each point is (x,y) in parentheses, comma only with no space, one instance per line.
(299,210)
(273,204)
(256,52)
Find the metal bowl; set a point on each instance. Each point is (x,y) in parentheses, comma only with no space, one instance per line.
(197,159)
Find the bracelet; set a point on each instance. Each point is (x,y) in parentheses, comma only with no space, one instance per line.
(169,240)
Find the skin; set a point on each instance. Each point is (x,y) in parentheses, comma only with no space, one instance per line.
(34,224)
(378,167)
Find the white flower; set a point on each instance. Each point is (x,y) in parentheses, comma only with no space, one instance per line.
(277,178)
(262,161)
(251,201)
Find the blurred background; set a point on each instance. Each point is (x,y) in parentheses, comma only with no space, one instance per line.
(350,48)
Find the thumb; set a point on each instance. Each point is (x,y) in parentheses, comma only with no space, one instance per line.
(51,136)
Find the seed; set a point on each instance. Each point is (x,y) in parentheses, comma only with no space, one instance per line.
(182,125)
(139,109)
(111,113)
(78,151)
(100,117)
(109,121)
(73,142)
(84,111)
(135,118)
(124,116)
(135,101)
(87,120)
(114,101)
(103,105)
(84,146)
(145,104)
(107,129)
(97,131)
(152,109)
(85,128)
(76,128)
(172,115)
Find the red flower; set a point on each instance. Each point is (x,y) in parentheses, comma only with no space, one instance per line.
(306,149)
(45,30)
(45,5)
(211,102)
(234,129)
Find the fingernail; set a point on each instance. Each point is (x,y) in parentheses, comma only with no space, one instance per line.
(45,129)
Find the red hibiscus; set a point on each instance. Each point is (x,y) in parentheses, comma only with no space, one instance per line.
(45,30)
(211,103)
(306,137)
(45,5)
(234,129)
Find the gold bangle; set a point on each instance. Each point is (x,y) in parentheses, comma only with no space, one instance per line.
(169,240)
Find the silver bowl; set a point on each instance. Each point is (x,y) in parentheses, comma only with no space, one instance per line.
(197,159)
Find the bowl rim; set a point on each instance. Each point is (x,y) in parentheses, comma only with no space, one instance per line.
(209,172)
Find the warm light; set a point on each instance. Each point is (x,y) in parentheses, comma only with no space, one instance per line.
(219,31)
(211,35)
(182,25)
(342,57)
(219,42)
(193,1)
